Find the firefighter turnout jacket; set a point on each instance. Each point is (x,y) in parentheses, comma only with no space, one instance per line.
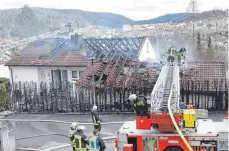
(140,106)
(71,137)
(95,118)
(172,52)
(80,141)
(96,144)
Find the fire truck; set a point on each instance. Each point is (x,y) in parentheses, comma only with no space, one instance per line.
(167,127)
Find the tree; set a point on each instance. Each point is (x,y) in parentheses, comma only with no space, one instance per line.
(198,42)
(210,52)
(209,42)
(26,22)
(192,13)
(216,15)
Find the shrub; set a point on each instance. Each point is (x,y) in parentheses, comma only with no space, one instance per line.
(3,93)
(3,96)
(3,80)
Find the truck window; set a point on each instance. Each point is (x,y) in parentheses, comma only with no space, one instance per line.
(134,142)
(173,148)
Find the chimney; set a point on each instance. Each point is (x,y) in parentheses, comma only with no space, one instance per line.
(76,41)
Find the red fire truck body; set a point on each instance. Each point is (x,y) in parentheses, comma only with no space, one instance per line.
(156,129)
(210,136)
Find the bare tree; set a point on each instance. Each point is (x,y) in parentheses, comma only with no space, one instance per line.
(192,13)
(216,15)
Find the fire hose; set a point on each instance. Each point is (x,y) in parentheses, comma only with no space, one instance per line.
(175,124)
(56,121)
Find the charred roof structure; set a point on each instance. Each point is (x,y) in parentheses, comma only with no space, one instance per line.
(116,60)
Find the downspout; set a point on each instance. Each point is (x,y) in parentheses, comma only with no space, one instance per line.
(11,74)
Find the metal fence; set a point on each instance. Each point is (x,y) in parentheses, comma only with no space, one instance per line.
(53,98)
(208,94)
(31,97)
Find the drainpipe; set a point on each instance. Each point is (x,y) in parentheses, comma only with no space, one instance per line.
(11,74)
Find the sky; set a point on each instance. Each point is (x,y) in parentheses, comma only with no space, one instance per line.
(134,9)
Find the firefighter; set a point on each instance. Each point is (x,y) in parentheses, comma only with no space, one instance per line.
(80,139)
(182,51)
(178,54)
(171,54)
(181,54)
(189,106)
(96,118)
(139,104)
(71,134)
(182,105)
(96,143)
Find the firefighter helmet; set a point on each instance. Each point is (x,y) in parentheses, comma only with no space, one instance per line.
(94,107)
(81,127)
(132,97)
(74,125)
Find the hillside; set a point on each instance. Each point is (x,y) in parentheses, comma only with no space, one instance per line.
(27,22)
(99,18)
(33,21)
(181,17)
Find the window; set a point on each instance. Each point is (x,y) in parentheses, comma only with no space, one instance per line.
(75,74)
(80,73)
(64,75)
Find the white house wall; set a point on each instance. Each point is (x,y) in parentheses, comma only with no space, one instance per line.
(147,52)
(4,71)
(38,74)
(23,73)
(45,73)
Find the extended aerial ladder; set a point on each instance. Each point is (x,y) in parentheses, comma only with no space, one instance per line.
(157,131)
(159,118)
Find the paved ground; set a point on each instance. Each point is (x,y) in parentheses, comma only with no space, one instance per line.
(26,129)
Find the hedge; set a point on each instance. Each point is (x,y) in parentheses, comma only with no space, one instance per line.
(3,93)
(3,80)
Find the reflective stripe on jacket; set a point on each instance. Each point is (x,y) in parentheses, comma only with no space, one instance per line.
(80,140)
(71,137)
(94,143)
(172,51)
(95,118)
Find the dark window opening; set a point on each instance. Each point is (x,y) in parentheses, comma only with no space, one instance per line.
(134,142)
(173,148)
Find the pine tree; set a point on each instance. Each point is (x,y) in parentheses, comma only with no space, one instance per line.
(210,51)
(198,42)
(26,22)
(209,43)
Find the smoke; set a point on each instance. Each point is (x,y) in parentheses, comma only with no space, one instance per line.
(163,44)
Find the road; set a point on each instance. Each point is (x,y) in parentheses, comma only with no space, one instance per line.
(26,129)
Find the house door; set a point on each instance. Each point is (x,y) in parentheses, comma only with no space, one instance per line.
(56,75)
(56,78)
